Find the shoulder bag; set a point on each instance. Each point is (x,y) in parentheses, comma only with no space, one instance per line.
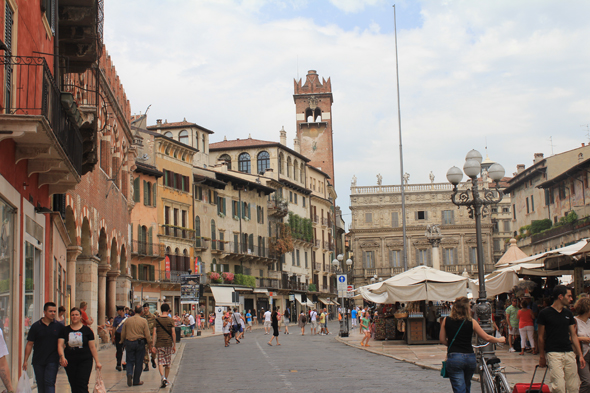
(443,370)
(166,330)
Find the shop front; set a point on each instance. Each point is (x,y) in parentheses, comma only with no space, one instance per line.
(7,261)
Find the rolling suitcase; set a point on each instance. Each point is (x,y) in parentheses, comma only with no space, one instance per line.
(532,387)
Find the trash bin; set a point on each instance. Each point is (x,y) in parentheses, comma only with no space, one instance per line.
(177,331)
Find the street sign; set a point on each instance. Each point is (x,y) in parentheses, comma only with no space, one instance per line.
(350,288)
(341,282)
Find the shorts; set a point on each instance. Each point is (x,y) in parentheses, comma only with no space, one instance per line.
(325,324)
(164,356)
(267,324)
(226,334)
(314,324)
(192,326)
(514,331)
(286,322)
(250,323)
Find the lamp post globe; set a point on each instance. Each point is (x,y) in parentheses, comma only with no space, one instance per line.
(335,262)
(454,175)
(349,262)
(496,172)
(472,168)
(340,257)
(474,155)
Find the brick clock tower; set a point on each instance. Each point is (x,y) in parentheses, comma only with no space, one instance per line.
(313,106)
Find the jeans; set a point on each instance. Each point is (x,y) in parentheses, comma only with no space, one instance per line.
(460,369)
(45,375)
(135,351)
(78,372)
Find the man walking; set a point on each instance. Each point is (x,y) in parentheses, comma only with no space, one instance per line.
(267,326)
(165,343)
(151,320)
(134,335)
(42,339)
(353,317)
(191,322)
(86,320)
(249,320)
(512,318)
(314,321)
(325,316)
(117,327)
(557,336)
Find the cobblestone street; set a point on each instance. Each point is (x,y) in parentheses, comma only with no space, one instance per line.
(301,363)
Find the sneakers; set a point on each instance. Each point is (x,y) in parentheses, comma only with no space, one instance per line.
(154,363)
(511,350)
(164,383)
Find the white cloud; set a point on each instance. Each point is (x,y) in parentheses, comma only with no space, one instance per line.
(512,72)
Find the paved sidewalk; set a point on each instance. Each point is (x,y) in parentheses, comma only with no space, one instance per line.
(116,381)
(518,369)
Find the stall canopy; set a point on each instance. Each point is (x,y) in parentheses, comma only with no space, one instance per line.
(298,298)
(419,283)
(511,255)
(309,303)
(261,291)
(223,296)
(324,300)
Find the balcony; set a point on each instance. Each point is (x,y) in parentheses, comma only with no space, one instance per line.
(328,245)
(34,117)
(80,32)
(324,221)
(277,207)
(201,243)
(252,251)
(144,249)
(317,267)
(177,232)
(316,243)
(146,274)
(315,218)
(270,283)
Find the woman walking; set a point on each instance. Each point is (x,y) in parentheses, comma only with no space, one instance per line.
(526,326)
(301,322)
(226,330)
(76,350)
(287,319)
(456,332)
(365,329)
(274,322)
(582,310)
(212,322)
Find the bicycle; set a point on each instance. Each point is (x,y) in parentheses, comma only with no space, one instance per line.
(491,373)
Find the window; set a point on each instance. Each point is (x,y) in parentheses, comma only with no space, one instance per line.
(281,163)
(421,215)
(213,236)
(422,258)
(183,137)
(496,226)
(506,225)
(263,162)
(227,159)
(147,193)
(532,203)
(394,219)
(449,256)
(497,245)
(8,26)
(296,170)
(514,211)
(368,217)
(295,198)
(473,255)
(298,261)
(198,193)
(198,240)
(289,167)
(448,217)
(305,258)
(505,210)
(394,258)
(303,200)
(244,163)
(527,206)
(369,259)
(168,135)
(136,196)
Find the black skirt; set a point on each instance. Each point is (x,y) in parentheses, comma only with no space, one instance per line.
(275,330)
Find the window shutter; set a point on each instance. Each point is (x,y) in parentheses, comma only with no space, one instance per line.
(239,209)
(141,272)
(452,217)
(146,194)
(426,215)
(233,208)
(155,185)
(152,273)
(394,219)
(456,256)
(134,271)
(364,259)
(249,215)
(429,257)
(416,216)
(139,234)
(136,190)
(445,259)
(149,235)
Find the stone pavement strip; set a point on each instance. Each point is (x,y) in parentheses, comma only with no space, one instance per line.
(518,369)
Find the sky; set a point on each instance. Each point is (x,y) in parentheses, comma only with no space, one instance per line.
(509,75)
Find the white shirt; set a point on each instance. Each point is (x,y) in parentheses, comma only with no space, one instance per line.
(313,316)
(191,319)
(583,331)
(3,348)
(267,316)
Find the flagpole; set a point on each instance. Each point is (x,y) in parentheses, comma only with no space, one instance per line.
(401,153)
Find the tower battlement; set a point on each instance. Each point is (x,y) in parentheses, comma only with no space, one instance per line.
(312,84)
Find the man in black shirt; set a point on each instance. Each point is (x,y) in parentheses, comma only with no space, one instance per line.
(557,336)
(42,339)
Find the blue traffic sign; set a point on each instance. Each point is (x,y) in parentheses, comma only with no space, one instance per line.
(342,278)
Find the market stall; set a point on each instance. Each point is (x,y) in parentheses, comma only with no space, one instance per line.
(408,293)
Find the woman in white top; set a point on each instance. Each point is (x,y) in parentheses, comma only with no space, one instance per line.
(582,310)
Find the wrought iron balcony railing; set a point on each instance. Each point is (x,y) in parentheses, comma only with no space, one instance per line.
(147,249)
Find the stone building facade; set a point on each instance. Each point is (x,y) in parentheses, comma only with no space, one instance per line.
(376,231)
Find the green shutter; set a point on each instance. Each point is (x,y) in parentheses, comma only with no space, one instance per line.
(139,234)
(136,189)
(249,215)
(155,185)
(152,273)
(239,209)
(145,193)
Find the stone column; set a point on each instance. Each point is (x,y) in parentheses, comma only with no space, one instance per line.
(103,268)
(123,289)
(112,293)
(73,252)
(87,285)
(434,237)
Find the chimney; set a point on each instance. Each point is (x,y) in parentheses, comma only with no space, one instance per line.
(538,157)
(159,122)
(283,136)
(519,168)
(296,145)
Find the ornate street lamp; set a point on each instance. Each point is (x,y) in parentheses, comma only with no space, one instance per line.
(343,268)
(476,200)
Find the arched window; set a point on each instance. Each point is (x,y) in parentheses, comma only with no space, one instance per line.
(244,163)
(302,173)
(263,162)
(168,134)
(296,170)
(289,167)
(281,158)
(186,262)
(317,115)
(213,236)
(197,231)
(176,261)
(226,158)
(309,115)
(183,137)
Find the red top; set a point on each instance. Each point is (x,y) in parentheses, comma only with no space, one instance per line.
(525,318)
(84,318)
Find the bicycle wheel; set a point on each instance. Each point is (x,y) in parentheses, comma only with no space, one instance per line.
(502,385)
(485,379)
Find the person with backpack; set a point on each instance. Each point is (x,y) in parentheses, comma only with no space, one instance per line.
(301,322)
(164,337)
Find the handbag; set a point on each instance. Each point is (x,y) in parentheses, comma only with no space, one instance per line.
(443,370)
(99,385)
